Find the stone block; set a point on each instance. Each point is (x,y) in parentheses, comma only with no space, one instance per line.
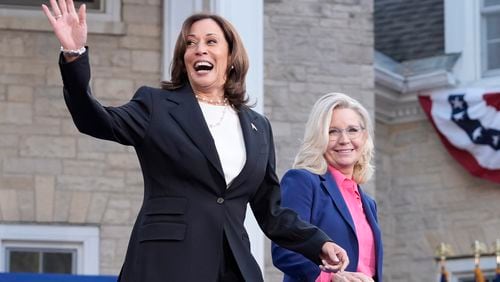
(51,107)
(89,184)
(97,207)
(79,206)
(144,30)
(123,161)
(44,198)
(53,77)
(83,167)
(15,113)
(48,146)
(9,205)
(141,43)
(113,89)
(32,166)
(62,203)
(146,61)
(19,93)
(26,205)
(16,182)
(136,14)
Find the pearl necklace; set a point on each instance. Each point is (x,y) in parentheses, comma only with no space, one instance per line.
(212,125)
(216,102)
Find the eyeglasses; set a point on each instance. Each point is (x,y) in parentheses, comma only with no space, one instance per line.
(352,132)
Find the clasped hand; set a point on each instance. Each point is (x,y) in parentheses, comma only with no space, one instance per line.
(333,258)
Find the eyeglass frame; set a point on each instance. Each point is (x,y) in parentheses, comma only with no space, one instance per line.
(342,130)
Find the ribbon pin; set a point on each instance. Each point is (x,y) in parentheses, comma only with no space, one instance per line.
(253,127)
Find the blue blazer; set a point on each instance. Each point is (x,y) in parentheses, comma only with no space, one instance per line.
(318,200)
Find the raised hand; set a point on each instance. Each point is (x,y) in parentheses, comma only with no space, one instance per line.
(69,26)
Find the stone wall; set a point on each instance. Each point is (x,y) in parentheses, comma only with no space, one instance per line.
(312,48)
(50,173)
(425,197)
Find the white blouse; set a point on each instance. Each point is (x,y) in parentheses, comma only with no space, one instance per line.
(225,128)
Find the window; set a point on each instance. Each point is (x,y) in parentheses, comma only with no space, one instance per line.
(490,12)
(33,260)
(103,16)
(91,4)
(49,249)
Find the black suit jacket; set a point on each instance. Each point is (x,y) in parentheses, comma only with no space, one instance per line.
(187,207)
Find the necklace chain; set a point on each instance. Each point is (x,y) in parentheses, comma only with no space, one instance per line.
(212,125)
(216,102)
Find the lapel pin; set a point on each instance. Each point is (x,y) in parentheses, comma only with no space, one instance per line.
(253,126)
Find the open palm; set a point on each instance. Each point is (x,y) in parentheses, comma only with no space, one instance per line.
(70,26)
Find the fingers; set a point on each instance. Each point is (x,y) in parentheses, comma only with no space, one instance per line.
(82,15)
(55,9)
(344,258)
(71,7)
(47,13)
(63,7)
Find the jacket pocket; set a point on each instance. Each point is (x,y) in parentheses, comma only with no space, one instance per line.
(162,231)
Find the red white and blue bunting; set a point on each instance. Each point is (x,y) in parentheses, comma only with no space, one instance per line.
(468,123)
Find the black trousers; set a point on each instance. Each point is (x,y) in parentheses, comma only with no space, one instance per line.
(229,270)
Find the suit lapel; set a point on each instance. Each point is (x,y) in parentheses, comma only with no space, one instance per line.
(329,183)
(251,135)
(370,215)
(189,116)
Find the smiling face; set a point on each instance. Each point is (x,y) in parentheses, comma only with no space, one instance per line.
(343,152)
(206,57)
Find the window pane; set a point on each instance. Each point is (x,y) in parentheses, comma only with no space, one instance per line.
(24,261)
(91,4)
(58,263)
(493,56)
(493,27)
(488,3)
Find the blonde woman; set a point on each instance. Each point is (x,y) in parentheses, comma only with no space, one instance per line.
(323,188)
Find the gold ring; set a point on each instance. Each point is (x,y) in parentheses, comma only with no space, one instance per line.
(57,16)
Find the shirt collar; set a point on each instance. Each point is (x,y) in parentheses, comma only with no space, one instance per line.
(341,180)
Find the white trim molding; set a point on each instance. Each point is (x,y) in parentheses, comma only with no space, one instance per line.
(399,84)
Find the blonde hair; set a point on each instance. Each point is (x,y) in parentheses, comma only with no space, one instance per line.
(316,137)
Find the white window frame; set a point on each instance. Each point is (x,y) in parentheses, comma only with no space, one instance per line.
(83,239)
(484,46)
(462,20)
(107,22)
(460,268)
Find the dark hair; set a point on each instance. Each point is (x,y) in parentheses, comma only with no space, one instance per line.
(237,67)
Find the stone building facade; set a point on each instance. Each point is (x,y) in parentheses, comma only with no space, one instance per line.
(51,175)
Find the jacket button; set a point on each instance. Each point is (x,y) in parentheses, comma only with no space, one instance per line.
(220,200)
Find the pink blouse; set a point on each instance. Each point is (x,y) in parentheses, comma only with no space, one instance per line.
(349,190)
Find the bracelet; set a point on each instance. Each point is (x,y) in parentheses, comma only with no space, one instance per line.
(73,53)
